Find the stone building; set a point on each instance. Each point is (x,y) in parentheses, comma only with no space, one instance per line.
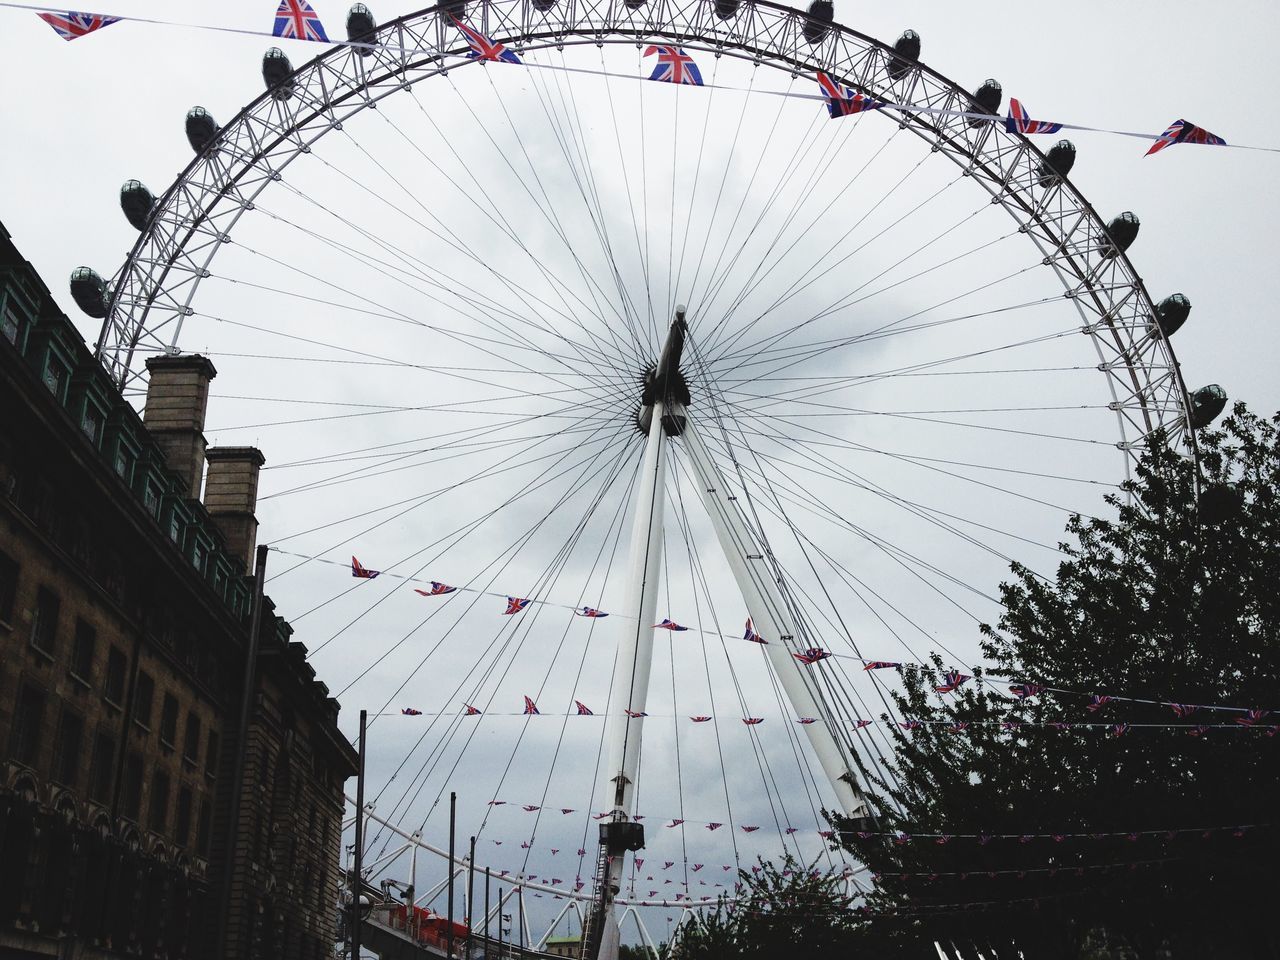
(138,815)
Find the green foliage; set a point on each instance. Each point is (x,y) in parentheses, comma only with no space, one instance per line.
(1176,599)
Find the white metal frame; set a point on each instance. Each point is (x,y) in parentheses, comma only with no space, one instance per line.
(154,290)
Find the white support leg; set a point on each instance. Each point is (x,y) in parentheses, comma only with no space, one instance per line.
(763,597)
(635,651)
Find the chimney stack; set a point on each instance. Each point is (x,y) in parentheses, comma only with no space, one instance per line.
(231,495)
(177,395)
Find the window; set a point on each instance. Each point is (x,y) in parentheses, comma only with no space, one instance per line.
(151,499)
(143,698)
(199,556)
(211,755)
(191,740)
(8,586)
(113,689)
(82,647)
(204,827)
(158,809)
(132,786)
(11,325)
(28,716)
(44,628)
(175,526)
(100,777)
(91,422)
(55,375)
(123,462)
(182,829)
(66,749)
(169,720)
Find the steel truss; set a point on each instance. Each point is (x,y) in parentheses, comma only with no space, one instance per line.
(152,293)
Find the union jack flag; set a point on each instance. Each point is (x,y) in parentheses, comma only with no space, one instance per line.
(566,810)
(438,589)
(1199,730)
(952,680)
(750,829)
(1019,121)
(909,724)
(1184,709)
(668,624)
(515,605)
(881,665)
(842,101)
(530,807)
(590,612)
(525,846)
(1010,725)
(635,714)
(364,573)
(1024,690)
(598,816)
(410,712)
(668,864)
(583,709)
(958,727)
(530,708)
(471,711)
(1251,717)
(812,655)
(859,724)
(1119,729)
(497,803)
(1059,725)
(807,720)
(697,867)
(675,823)
(752,721)
(1097,702)
(752,635)
(713,827)
(788,831)
(639,862)
(70,25)
(700,719)
(1181,131)
(482,47)
(674,66)
(295,20)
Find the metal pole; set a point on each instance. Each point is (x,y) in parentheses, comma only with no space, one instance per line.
(453,819)
(358,871)
(501,900)
(486,913)
(772,618)
(242,744)
(520,904)
(471,891)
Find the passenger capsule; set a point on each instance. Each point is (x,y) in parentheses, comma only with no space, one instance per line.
(986,99)
(137,203)
(1122,231)
(361,28)
(544,6)
(726,9)
(1172,313)
(1206,404)
(201,129)
(818,23)
(1057,162)
(906,51)
(634,4)
(276,71)
(456,9)
(89,291)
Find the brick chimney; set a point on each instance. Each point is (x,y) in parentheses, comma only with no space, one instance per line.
(231,495)
(177,395)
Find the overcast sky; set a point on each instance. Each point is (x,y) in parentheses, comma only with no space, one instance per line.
(286,307)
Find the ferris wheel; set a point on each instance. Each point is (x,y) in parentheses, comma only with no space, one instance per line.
(527,328)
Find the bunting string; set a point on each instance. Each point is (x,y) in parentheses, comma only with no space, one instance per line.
(311,31)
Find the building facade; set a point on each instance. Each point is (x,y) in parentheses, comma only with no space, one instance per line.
(138,815)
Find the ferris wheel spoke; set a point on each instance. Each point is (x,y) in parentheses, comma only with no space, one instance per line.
(761,272)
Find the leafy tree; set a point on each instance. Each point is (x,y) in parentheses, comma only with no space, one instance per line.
(1175,599)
